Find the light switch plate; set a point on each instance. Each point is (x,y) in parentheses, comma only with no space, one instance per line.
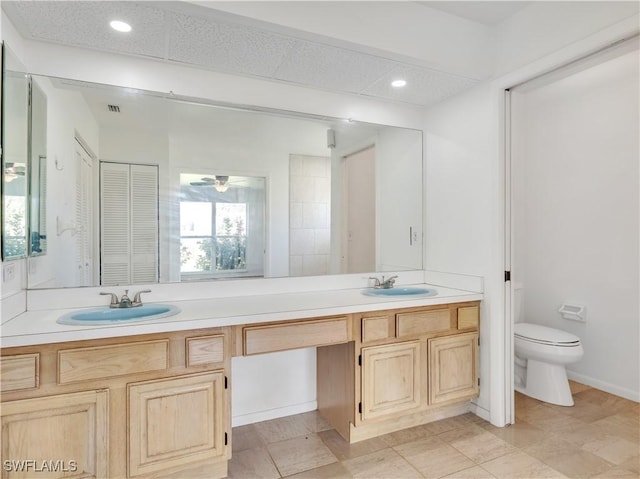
(8,273)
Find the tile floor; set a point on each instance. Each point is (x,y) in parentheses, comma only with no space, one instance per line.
(598,437)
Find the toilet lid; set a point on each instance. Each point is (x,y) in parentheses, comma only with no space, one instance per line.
(543,334)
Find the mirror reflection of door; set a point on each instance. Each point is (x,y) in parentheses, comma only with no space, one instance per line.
(84,217)
(360,212)
(128,223)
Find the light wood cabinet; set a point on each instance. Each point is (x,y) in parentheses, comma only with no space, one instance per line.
(158,405)
(177,421)
(391,379)
(408,367)
(152,405)
(56,436)
(453,368)
(19,372)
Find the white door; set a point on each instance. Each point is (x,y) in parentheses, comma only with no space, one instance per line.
(128,223)
(360,211)
(84,217)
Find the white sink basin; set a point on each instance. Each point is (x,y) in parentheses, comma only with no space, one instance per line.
(400,291)
(106,315)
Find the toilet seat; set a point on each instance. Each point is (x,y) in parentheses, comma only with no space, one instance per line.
(536,333)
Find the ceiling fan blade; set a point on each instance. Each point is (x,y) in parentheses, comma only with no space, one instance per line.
(200,183)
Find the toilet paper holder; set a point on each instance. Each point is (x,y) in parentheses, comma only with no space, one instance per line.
(574,312)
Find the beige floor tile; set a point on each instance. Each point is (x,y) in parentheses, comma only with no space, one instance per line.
(332,471)
(577,387)
(299,454)
(551,419)
(245,437)
(580,435)
(384,464)
(475,472)
(632,465)
(252,464)
(587,411)
(289,427)
(520,465)
(617,472)
(483,447)
(343,450)
(598,437)
(613,449)
(406,435)
(581,464)
(467,432)
(314,421)
(552,446)
(434,458)
(449,424)
(605,400)
(521,434)
(620,425)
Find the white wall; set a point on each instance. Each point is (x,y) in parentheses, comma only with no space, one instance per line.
(67,113)
(580,166)
(398,187)
(541,28)
(465,181)
(461,219)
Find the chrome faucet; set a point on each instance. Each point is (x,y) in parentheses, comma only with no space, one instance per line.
(382,283)
(125,301)
(137,301)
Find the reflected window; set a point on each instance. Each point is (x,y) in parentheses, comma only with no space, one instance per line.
(221,232)
(15,243)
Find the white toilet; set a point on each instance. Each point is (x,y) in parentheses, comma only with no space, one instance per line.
(541,356)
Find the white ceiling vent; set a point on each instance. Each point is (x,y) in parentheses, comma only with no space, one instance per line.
(114,108)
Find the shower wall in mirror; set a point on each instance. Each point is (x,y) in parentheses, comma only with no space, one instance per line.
(228,192)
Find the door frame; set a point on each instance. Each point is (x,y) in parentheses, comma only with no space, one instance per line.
(502,402)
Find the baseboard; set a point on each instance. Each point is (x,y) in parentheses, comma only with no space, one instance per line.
(480,412)
(276,413)
(604,386)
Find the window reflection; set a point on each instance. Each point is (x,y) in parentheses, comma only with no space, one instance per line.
(221,230)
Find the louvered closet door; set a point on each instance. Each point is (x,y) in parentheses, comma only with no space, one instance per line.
(144,224)
(129,223)
(115,221)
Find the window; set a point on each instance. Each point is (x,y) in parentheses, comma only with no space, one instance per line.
(213,237)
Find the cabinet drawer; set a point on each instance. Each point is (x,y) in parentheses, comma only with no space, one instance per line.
(376,328)
(420,322)
(115,360)
(205,350)
(19,372)
(468,317)
(304,334)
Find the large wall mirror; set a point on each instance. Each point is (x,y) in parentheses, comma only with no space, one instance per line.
(24,162)
(145,187)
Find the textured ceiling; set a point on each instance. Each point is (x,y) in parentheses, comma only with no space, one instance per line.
(202,37)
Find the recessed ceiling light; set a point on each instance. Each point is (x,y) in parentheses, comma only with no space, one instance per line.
(120,26)
(398,83)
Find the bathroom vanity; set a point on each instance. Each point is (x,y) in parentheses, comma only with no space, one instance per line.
(157,404)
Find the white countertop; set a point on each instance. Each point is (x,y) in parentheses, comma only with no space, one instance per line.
(40,327)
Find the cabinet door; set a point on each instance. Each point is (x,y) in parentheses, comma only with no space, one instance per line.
(453,368)
(391,379)
(56,436)
(174,422)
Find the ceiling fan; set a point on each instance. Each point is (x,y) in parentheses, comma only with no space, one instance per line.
(220,183)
